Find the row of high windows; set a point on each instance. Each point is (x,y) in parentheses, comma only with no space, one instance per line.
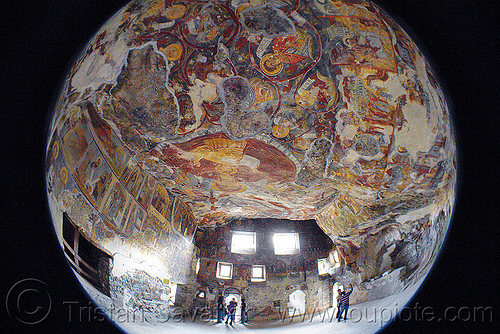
(225,271)
(246,243)
(258,272)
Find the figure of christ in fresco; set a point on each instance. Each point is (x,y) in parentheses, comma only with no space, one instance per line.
(226,154)
(229,162)
(225,181)
(207,272)
(53,154)
(57,172)
(118,157)
(74,144)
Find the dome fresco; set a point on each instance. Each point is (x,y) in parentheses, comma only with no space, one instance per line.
(182,122)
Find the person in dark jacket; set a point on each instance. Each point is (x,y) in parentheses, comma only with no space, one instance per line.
(220,308)
(231,311)
(243,310)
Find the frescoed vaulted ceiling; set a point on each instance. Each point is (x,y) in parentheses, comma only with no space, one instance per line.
(320,115)
(303,117)
(184,120)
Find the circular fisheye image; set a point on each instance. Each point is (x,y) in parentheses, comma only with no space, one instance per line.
(270,165)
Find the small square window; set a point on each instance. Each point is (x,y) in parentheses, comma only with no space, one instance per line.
(323,266)
(243,242)
(334,257)
(258,273)
(286,243)
(224,270)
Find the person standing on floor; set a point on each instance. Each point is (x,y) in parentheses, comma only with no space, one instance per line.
(231,311)
(243,310)
(339,294)
(220,308)
(344,304)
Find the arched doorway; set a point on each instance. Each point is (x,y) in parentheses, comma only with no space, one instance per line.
(297,303)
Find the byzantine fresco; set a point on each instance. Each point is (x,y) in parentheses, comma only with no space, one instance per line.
(181,114)
(327,96)
(108,195)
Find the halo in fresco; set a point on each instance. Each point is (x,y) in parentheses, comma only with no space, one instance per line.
(182,118)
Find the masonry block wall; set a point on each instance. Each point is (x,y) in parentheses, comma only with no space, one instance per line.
(284,273)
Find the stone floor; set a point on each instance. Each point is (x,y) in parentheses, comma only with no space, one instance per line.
(366,317)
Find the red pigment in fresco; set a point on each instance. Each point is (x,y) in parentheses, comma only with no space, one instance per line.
(273,166)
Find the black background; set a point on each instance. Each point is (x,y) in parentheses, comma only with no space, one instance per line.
(40,40)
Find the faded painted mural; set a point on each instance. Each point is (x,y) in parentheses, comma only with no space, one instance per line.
(189,114)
